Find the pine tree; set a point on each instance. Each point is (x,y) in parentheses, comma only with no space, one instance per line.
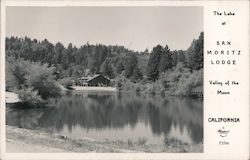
(153,63)
(119,67)
(106,69)
(165,60)
(196,53)
(137,75)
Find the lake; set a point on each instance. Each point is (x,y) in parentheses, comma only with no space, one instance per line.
(112,115)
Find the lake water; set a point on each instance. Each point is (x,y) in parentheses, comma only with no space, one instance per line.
(110,115)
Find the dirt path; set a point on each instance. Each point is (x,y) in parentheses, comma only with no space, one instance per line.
(19,147)
(24,140)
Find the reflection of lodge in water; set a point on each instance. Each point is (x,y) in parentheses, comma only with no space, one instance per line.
(96,80)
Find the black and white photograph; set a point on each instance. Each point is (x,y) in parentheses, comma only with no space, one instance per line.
(104,79)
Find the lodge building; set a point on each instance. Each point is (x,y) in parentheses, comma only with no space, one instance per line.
(96,80)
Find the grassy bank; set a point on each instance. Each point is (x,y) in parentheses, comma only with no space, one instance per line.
(24,140)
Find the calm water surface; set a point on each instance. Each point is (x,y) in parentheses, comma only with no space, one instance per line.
(110,115)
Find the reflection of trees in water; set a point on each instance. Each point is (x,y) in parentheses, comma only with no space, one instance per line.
(93,111)
(23,118)
(115,111)
(196,132)
(159,122)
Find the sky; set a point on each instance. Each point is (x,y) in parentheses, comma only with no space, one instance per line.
(136,28)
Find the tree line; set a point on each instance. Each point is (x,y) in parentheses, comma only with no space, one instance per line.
(34,68)
(110,60)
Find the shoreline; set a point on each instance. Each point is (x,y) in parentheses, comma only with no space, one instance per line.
(85,88)
(25,140)
(11,97)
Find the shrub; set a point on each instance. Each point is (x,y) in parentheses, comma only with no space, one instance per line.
(119,85)
(42,78)
(67,82)
(35,82)
(30,97)
(178,82)
(182,82)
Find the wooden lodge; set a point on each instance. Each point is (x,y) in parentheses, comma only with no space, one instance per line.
(96,80)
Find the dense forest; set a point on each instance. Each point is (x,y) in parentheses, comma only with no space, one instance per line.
(32,66)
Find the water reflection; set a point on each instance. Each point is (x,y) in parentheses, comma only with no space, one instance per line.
(117,116)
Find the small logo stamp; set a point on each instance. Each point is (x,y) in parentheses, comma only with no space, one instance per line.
(223,132)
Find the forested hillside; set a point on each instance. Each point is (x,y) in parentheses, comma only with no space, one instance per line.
(75,62)
(179,72)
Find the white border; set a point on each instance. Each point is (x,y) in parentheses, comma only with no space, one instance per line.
(26,156)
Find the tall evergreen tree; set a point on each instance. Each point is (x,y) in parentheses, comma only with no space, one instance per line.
(130,63)
(137,75)
(196,53)
(106,69)
(153,63)
(119,67)
(58,51)
(165,60)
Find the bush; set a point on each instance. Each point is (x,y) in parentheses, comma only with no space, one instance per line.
(177,82)
(67,82)
(41,78)
(30,97)
(16,70)
(182,82)
(35,82)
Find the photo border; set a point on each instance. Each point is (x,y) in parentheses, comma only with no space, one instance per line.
(207,152)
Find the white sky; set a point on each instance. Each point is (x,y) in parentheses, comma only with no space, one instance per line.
(136,28)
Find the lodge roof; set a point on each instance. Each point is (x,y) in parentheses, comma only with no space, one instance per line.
(89,78)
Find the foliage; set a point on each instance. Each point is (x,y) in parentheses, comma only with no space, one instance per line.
(32,79)
(154,60)
(165,60)
(160,60)
(137,75)
(183,82)
(11,81)
(143,62)
(178,56)
(106,69)
(37,64)
(15,73)
(178,82)
(76,62)
(119,68)
(41,78)
(195,53)
(30,97)
(130,64)
(66,82)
